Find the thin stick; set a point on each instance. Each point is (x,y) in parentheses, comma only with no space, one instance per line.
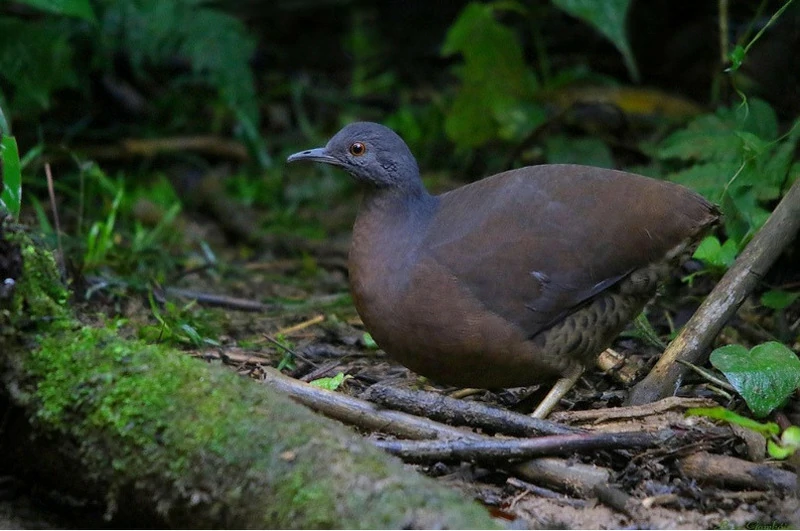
(360,412)
(300,326)
(213,299)
(52,193)
(631,412)
(489,449)
(475,414)
(287,349)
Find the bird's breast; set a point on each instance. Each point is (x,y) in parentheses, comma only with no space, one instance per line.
(385,250)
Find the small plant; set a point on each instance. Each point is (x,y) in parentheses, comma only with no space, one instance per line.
(499,93)
(178,324)
(100,239)
(287,358)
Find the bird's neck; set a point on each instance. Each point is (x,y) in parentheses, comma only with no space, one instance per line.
(388,232)
(394,211)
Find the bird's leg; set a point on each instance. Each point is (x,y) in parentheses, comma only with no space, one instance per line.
(561,388)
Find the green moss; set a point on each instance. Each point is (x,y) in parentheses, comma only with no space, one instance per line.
(90,381)
(39,292)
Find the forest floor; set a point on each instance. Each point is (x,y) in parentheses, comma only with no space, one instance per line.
(304,323)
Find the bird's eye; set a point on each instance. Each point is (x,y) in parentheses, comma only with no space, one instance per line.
(357,149)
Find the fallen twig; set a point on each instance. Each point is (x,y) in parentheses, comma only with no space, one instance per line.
(543,492)
(289,350)
(617,499)
(735,472)
(360,412)
(600,415)
(300,326)
(488,449)
(462,412)
(212,299)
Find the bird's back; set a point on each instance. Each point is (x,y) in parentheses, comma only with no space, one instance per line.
(534,242)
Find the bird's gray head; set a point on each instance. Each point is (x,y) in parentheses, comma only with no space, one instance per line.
(370,152)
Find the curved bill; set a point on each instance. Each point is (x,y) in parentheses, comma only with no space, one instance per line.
(316,155)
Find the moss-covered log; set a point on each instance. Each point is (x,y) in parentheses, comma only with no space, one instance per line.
(156,434)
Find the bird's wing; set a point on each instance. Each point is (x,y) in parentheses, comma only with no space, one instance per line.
(534,243)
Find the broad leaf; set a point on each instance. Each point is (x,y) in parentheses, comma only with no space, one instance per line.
(757,117)
(715,254)
(778,299)
(708,180)
(706,138)
(495,78)
(765,376)
(607,17)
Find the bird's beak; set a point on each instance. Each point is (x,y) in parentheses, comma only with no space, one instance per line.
(316,155)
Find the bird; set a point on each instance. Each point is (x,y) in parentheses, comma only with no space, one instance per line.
(520,278)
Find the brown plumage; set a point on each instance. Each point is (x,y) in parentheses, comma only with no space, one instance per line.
(519,278)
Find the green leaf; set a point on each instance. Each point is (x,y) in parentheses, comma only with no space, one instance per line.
(776,166)
(607,17)
(708,137)
(743,214)
(495,78)
(707,179)
(518,121)
(331,384)
(715,254)
(368,341)
(709,250)
(10,176)
(791,437)
(736,57)
(765,376)
(74,8)
(779,299)
(757,117)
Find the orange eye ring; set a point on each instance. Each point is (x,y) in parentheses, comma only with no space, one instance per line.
(357,149)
